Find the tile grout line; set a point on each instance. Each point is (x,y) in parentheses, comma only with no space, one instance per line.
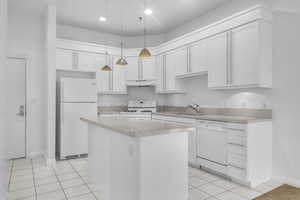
(59,183)
(34,183)
(85,183)
(10,175)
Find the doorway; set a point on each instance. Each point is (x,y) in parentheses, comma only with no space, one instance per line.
(17,107)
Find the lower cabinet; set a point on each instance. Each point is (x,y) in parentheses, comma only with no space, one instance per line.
(242,152)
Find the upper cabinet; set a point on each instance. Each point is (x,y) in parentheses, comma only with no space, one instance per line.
(86,61)
(118,77)
(64,59)
(132,68)
(198,57)
(111,82)
(75,60)
(217,60)
(241,57)
(148,68)
(141,70)
(166,74)
(103,78)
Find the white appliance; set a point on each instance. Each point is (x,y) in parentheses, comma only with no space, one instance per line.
(142,106)
(76,98)
(212,145)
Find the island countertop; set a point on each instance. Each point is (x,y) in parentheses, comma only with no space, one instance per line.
(136,127)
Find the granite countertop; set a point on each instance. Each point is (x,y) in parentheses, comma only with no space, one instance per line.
(219,118)
(136,127)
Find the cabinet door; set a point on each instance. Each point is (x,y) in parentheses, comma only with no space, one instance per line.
(103,77)
(119,77)
(181,61)
(64,59)
(198,57)
(148,68)
(245,55)
(217,60)
(160,73)
(170,72)
(132,69)
(85,61)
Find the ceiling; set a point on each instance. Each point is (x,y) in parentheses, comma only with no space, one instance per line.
(167,14)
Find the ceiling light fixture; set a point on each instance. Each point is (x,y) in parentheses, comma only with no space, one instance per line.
(144,52)
(102,19)
(148,11)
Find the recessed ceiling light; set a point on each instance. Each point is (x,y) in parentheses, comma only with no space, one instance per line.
(102,19)
(148,11)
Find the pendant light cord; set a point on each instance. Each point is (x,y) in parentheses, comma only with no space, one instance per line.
(144,24)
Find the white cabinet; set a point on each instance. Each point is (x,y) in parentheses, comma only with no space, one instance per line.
(75,60)
(148,68)
(64,59)
(192,134)
(140,70)
(241,57)
(118,77)
(166,74)
(245,55)
(132,68)
(160,73)
(217,60)
(111,82)
(170,72)
(86,61)
(198,57)
(180,57)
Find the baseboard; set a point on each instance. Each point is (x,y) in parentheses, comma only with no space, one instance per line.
(37,154)
(289,181)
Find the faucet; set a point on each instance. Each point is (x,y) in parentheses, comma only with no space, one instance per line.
(195,106)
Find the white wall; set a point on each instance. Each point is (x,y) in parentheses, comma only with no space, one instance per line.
(212,16)
(3,116)
(286,97)
(85,35)
(196,91)
(26,36)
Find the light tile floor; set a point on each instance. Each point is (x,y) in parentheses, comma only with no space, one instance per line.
(33,180)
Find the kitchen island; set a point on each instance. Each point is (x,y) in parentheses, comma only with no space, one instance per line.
(134,159)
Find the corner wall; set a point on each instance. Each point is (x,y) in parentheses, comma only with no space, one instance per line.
(26,37)
(3,111)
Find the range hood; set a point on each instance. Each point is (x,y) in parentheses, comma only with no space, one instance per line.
(141,83)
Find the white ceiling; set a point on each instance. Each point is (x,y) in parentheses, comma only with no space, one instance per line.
(167,14)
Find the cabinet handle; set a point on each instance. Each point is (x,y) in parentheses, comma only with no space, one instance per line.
(240,145)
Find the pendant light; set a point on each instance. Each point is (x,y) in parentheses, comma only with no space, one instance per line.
(122,61)
(106,67)
(144,52)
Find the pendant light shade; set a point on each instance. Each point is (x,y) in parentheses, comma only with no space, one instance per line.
(106,68)
(145,53)
(122,62)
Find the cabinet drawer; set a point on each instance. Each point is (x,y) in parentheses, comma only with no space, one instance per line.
(237,149)
(237,173)
(237,161)
(237,137)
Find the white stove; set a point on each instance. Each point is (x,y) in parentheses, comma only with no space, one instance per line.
(142,106)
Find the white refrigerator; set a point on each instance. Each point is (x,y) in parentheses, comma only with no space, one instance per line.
(76,98)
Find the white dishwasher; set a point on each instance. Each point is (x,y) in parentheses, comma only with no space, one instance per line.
(212,145)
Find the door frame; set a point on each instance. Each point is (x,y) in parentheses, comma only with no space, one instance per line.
(28,99)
